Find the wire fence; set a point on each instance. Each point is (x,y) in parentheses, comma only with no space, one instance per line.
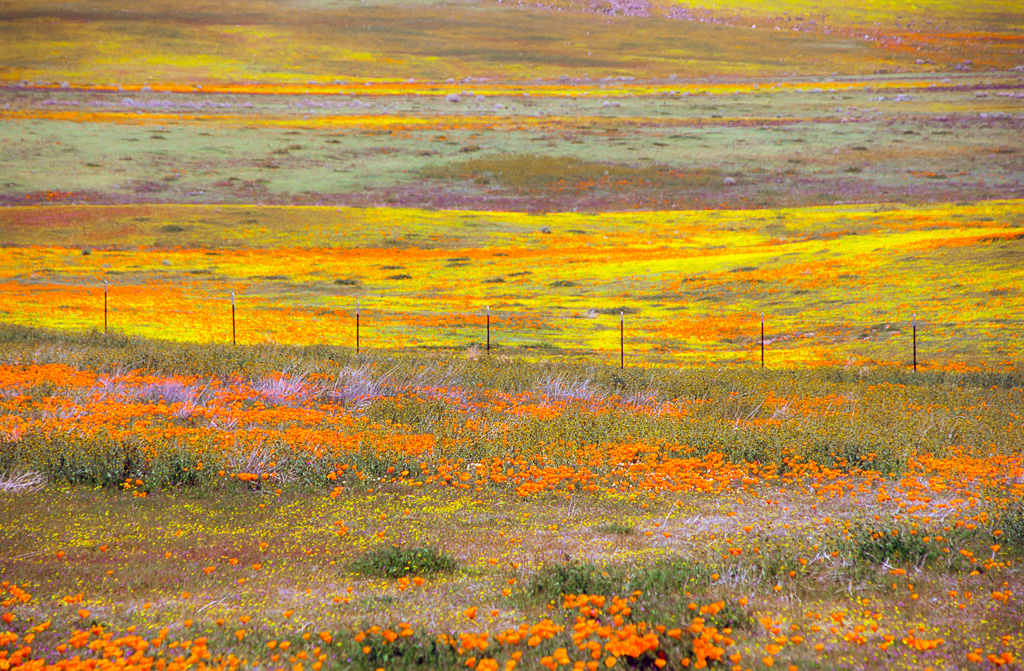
(614,335)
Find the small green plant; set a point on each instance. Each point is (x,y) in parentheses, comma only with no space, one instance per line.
(673,574)
(879,545)
(574,577)
(395,562)
(902,544)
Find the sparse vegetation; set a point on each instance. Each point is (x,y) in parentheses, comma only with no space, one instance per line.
(529,172)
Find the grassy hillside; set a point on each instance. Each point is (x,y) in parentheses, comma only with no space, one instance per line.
(302,42)
(837,285)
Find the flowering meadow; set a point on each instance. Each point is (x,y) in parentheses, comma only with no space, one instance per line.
(836,285)
(575,335)
(171,500)
(208,506)
(261,43)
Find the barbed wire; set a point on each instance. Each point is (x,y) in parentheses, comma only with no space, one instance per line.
(367,306)
(525,329)
(772,325)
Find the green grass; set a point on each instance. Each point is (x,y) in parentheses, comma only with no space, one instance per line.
(396,562)
(832,146)
(1010,522)
(574,577)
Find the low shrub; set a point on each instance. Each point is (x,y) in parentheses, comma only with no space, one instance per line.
(394,562)
(900,543)
(675,574)
(617,528)
(574,577)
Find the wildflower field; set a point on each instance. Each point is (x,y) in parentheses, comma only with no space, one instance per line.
(836,285)
(279,507)
(494,335)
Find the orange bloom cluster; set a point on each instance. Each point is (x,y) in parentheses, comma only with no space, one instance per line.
(95,649)
(602,634)
(264,431)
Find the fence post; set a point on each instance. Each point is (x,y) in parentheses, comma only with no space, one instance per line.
(914,332)
(234,338)
(762,340)
(622,341)
(357,327)
(104,307)
(488,329)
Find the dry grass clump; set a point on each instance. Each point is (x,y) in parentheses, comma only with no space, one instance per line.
(18,482)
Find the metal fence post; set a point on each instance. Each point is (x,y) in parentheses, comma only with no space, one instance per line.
(622,341)
(914,332)
(762,340)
